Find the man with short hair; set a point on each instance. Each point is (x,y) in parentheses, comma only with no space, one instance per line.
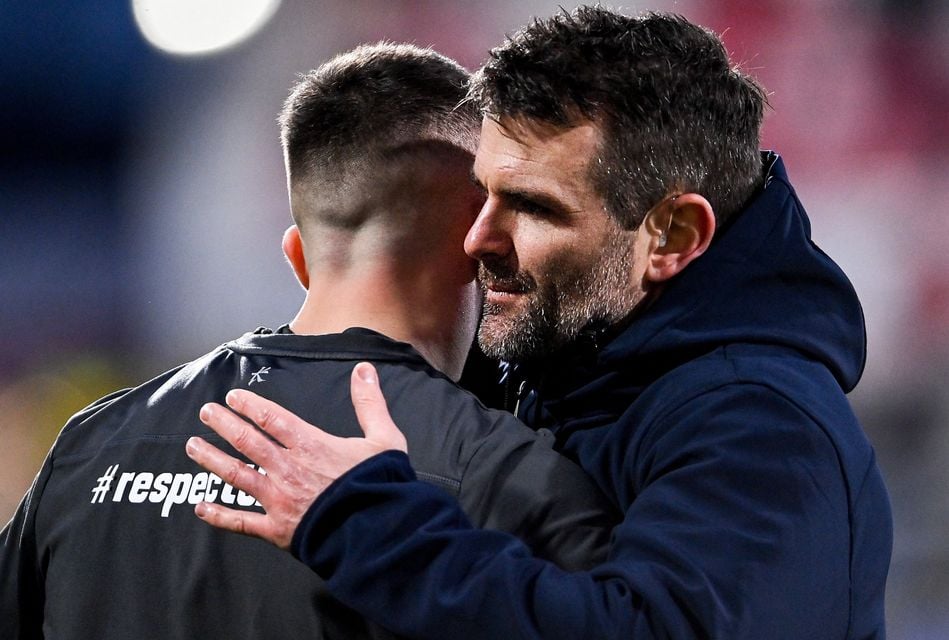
(651,278)
(378,154)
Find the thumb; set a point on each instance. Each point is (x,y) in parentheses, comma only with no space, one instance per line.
(371,410)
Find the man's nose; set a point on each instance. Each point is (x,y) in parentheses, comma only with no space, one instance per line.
(490,234)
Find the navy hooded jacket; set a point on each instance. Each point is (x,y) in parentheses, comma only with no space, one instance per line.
(717,421)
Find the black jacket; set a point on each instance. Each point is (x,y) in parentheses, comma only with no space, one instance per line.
(106,545)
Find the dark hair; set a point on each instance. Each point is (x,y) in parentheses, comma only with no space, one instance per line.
(361,106)
(674,115)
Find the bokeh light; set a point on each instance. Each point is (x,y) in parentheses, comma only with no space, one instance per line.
(197,27)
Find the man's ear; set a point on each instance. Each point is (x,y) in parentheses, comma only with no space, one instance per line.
(293,249)
(680,229)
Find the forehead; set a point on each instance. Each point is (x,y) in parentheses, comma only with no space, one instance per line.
(541,154)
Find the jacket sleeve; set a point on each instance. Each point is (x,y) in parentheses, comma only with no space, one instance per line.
(736,526)
(22,561)
(22,594)
(517,483)
(405,554)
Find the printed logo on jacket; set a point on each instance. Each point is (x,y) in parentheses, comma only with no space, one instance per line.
(167,489)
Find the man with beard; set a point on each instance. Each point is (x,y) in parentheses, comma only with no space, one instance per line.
(651,278)
(378,153)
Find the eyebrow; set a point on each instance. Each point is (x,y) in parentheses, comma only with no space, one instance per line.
(520,196)
(536,198)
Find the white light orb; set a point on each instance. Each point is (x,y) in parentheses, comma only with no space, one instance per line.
(198,27)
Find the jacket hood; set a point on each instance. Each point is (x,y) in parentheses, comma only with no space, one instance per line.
(762,281)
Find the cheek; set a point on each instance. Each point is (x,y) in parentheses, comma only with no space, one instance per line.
(560,261)
(540,249)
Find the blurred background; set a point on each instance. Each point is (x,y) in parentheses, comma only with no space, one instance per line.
(142,202)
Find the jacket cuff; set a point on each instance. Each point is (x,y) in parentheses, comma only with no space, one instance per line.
(362,486)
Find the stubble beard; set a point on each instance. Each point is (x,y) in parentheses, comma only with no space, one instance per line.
(558,306)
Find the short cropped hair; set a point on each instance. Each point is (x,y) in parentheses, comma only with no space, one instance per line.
(674,115)
(343,120)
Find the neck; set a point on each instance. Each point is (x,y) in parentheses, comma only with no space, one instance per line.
(404,308)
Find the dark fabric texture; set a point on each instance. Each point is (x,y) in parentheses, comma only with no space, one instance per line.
(106,544)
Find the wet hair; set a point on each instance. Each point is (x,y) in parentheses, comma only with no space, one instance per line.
(674,115)
(346,122)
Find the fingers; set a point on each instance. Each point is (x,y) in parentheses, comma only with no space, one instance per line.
(243,436)
(300,470)
(245,522)
(286,427)
(371,410)
(227,468)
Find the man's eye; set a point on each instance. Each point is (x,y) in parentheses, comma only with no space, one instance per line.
(533,208)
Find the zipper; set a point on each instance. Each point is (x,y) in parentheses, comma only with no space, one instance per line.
(519,396)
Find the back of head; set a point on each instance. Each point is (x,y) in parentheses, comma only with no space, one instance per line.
(366,134)
(674,115)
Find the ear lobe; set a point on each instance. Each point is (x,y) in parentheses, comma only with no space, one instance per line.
(680,231)
(293,249)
